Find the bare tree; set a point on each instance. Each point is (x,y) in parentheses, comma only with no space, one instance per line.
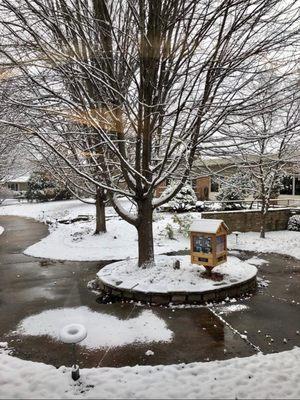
(151,80)
(276,133)
(10,137)
(81,188)
(262,146)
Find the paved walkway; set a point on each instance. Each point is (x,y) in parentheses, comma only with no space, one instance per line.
(29,286)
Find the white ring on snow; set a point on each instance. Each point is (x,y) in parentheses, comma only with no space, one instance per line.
(73,333)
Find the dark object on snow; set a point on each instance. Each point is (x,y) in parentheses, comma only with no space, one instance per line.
(105,298)
(93,285)
(72,220)
(177,264)
(75,372)
(213,276)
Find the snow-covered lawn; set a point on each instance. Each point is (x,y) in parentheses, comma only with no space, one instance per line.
(53,209)
(103,330)
(273,376)
(77,242)
(1,230)
(163,278)
(282,242)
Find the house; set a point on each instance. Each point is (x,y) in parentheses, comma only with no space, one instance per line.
(200,184)
(19,184)
(220,168)
(208,173)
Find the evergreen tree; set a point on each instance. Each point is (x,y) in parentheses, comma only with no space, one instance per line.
(42,187)
(185,200)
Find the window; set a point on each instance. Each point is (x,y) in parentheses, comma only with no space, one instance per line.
(202,244)
(221,243)
(214,187)
(287,183)
(13,186)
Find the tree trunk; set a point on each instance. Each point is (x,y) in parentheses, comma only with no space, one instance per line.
(263,219)
(100,211)
(145,233)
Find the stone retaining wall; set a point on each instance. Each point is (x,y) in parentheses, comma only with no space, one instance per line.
(250,220)
(217,295)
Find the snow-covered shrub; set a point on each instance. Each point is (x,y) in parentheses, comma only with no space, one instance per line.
(42,187)
(185,200)
(214,206)
(5,193)
(276,182)
(183,223)
(294,223)
(169,231)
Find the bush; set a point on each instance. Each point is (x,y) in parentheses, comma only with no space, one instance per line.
(42,187)
(169,231)
(5,193)
(185,200)
(183,223)
(294,223)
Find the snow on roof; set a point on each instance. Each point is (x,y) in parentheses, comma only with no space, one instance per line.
(206,225)
(20,179)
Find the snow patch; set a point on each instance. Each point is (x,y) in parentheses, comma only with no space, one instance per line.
(102,330)
(257,261)
(1,230)
(149,353)
(232,308)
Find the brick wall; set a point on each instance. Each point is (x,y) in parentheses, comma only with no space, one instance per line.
(247,221)
(160,188)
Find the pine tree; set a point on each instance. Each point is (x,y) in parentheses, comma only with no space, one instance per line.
(42,187)
(185,200)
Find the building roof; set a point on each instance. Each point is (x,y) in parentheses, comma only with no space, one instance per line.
(20,179)
(207,225)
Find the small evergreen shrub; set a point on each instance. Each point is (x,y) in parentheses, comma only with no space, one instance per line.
(42,187)
(185,200)
(294,223)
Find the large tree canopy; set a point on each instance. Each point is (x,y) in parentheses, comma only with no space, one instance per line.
(134,88)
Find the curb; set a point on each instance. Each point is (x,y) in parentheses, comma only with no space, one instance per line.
(156,298)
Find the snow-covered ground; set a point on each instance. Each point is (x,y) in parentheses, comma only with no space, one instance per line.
(282,242)
(103,330)
(273,376)
(53,209)
(77,242)
(1,230)
(163,278)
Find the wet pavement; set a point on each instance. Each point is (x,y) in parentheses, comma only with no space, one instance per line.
(268,320)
